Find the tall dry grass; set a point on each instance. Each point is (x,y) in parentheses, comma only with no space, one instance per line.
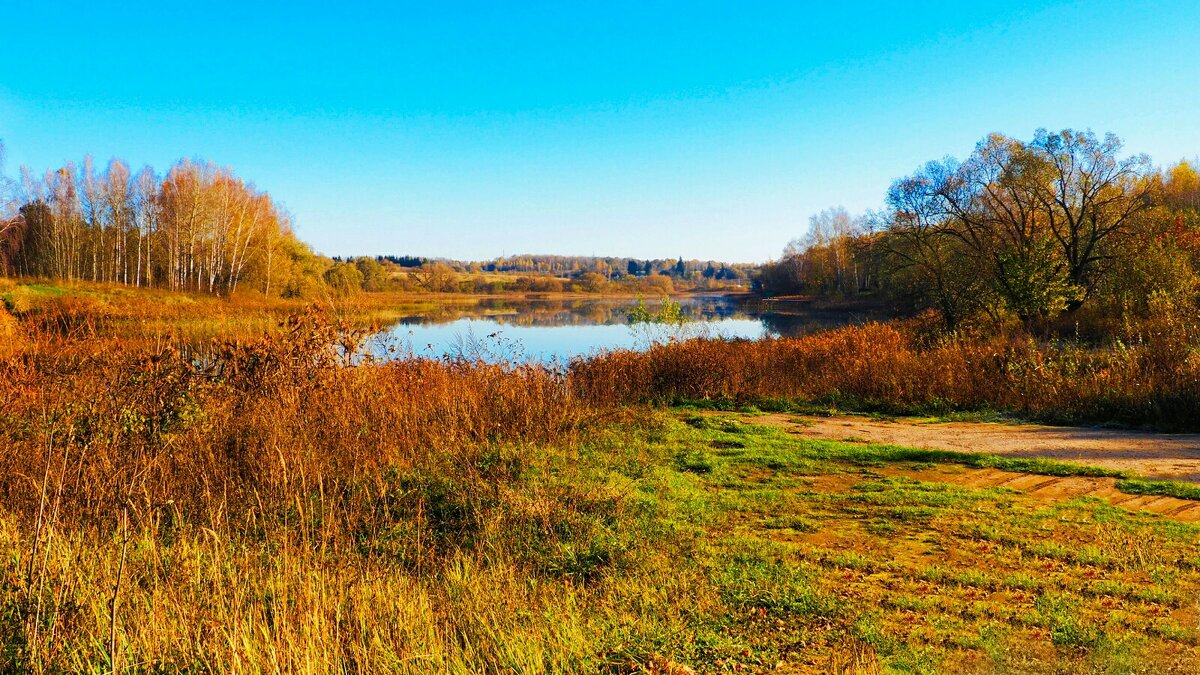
(1150,379)
(289,503)
(142,427)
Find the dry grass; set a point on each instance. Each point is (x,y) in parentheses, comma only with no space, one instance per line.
(882,367)
(286,502)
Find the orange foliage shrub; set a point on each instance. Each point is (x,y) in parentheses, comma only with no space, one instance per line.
(155,430)
(883,367)
(101,426)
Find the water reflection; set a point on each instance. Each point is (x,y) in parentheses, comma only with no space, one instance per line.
(558,330)
(574,312)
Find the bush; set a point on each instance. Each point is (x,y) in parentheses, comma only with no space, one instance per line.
(344,278)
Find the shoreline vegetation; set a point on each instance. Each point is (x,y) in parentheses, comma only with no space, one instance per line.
(213,474)
(113,309)
(901,367)
(202,228)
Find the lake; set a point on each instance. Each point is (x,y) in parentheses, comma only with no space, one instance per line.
(549,330)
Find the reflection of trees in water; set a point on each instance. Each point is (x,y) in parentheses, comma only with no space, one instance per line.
(792,325)
(529,312)
(613,311)
(803,322)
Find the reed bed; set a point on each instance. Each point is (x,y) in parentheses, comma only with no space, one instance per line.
(1152,379)
(290,502)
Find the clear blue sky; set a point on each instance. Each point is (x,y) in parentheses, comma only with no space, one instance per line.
(695,129)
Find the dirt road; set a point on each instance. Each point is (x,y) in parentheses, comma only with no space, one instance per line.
(1167,456)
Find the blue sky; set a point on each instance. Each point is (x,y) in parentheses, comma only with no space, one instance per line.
(653,129)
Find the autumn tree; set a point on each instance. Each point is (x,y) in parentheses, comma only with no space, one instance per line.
(1034,220)
(374,274)
(829,260)
(200,228)
(344,278)
(12,227)
(928,267)
(433,277)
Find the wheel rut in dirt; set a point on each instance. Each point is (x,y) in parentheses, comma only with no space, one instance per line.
(1161,456)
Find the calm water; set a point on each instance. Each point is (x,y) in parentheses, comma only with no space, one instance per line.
(558,330)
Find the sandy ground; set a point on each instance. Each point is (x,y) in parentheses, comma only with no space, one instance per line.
(1166,456)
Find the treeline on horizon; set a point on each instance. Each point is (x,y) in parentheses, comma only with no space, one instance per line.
(573,266)
(530,273)
(1030,231)
(201,228)
(1061,229)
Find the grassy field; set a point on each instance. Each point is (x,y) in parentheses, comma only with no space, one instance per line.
(684,543)
(874,569)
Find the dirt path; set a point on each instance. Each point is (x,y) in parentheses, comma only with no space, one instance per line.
(1174,457)
(1167,456)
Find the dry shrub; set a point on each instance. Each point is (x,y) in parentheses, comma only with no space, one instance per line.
(8,326)
(1155,381)
(293,461)
(252,425)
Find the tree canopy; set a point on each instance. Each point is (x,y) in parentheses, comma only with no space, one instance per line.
(1032,229)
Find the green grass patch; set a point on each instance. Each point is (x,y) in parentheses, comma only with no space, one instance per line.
(1162,488)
